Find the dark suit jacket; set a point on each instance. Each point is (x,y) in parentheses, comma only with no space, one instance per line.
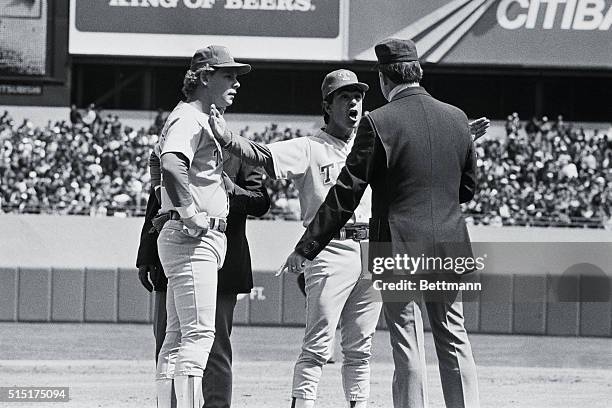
(147,250)
(418,156)
(248,198)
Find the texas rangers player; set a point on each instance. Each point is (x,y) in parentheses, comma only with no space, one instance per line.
(192,243)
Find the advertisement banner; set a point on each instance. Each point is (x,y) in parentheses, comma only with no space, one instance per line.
(23,37)
(254,29)
(537,33)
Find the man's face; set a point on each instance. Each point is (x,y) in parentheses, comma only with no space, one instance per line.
(346,107)
(223,86)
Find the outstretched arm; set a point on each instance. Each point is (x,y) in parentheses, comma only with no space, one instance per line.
(252,153)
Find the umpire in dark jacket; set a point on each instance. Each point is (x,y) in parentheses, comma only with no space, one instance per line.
(418,156)
(248,196)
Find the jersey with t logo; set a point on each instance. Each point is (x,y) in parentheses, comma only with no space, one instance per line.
(187,131)
(313,163)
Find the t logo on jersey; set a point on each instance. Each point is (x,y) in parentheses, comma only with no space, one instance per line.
(326,172)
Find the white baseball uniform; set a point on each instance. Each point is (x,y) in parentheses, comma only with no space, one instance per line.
(313,164)
(191,262)
(187,131)
(334,292)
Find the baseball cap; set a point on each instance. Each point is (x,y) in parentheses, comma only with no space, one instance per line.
(340,79)
(393,50)
(216,56)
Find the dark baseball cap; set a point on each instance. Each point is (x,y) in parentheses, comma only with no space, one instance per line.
(216,56)
(392,50)
(339,79)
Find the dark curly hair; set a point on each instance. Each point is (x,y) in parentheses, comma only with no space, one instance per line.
(192,79)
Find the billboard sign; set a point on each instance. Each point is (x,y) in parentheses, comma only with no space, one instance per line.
(539,33)
(254,29)
(23,37)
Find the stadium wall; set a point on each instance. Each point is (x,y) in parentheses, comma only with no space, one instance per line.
(81,269)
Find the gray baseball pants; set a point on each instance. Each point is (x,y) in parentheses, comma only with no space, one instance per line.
(336,294)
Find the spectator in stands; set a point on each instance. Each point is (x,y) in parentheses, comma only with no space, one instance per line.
(552,175)
(68,170)
(533,126)
(75,115)
(158,123)
(90,116)
(512,123)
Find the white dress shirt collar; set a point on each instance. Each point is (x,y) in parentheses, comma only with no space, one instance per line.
(400,88)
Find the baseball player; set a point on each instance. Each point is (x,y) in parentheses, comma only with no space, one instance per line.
(248,196)
(192,243)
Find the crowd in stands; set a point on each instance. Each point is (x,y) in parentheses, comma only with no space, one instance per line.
(544,172)
(90,165)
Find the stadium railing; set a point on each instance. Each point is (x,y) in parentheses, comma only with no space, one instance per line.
(280,214)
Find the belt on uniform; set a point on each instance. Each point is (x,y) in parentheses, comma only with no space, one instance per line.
(216,224)
(354,232)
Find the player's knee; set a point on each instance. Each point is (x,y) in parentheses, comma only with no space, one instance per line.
(171,343)
(356,357)
(198,334)
(315,358)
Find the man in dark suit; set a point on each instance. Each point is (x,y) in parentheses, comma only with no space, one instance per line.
(150,271)
(417,154)
(248,196)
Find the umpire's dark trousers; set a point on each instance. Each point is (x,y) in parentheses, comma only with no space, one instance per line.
(455,360)
(217,381)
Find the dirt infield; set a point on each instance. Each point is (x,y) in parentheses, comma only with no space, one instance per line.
(108,365)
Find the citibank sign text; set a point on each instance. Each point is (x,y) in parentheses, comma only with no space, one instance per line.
(574,14)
